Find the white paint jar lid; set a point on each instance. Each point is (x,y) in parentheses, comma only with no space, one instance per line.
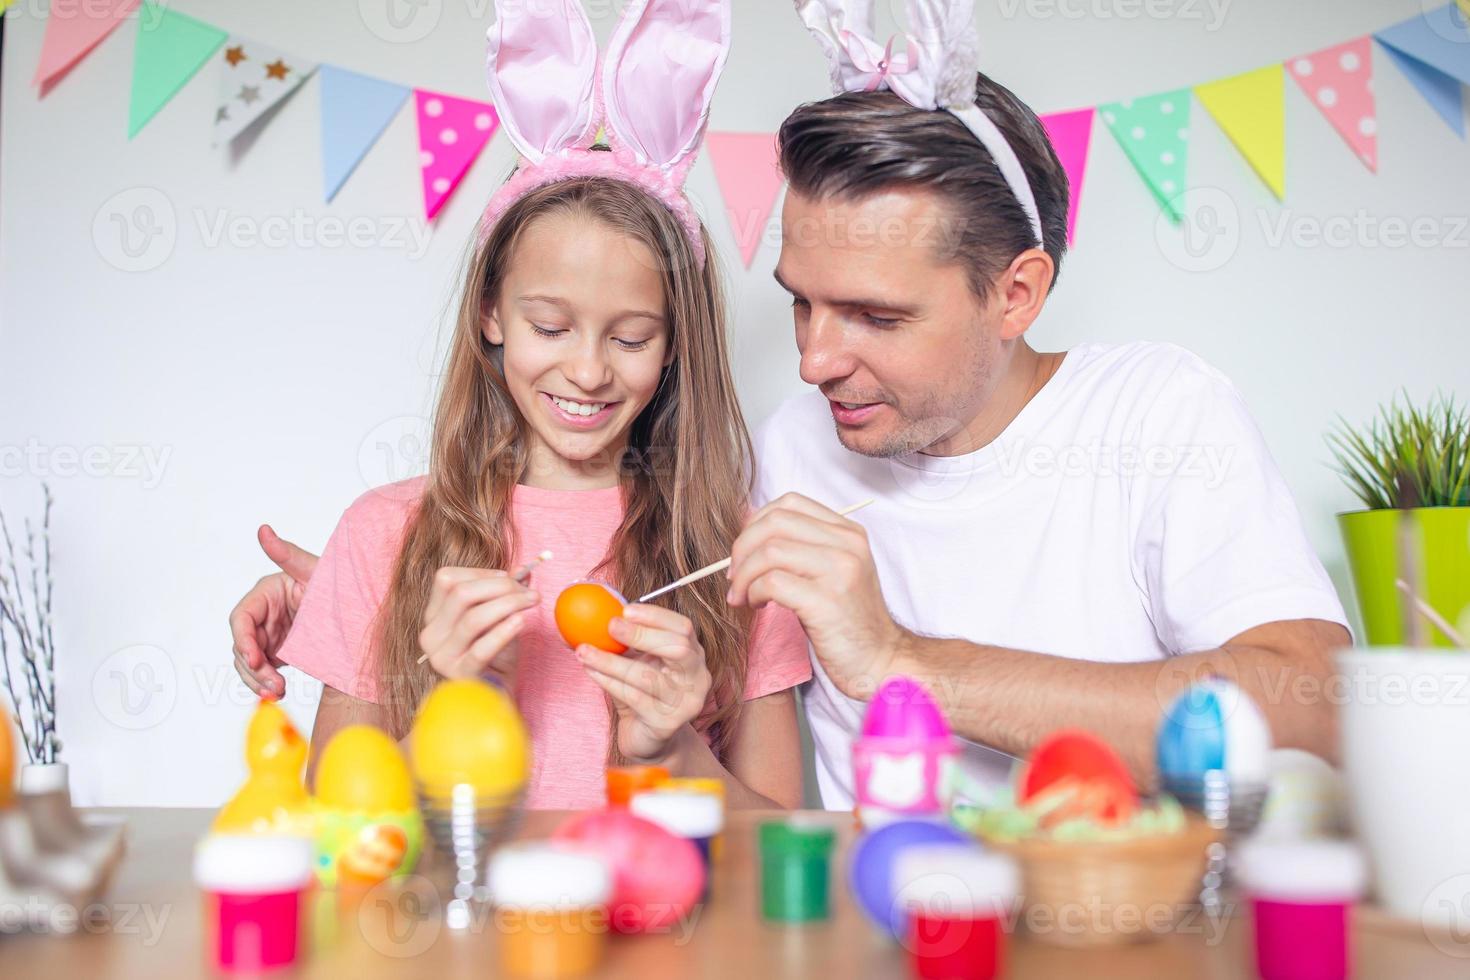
(693,815)
(548,876)
(1301,870)
(955,879)
(252,864)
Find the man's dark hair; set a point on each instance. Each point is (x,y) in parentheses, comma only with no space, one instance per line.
(861,143)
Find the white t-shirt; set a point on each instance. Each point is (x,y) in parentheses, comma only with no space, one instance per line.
(1130,512)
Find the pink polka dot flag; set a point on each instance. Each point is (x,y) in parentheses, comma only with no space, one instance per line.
(452,132)
(1339,81)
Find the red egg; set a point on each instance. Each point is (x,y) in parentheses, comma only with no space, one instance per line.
(1087,767)
(583,612)
(657,877)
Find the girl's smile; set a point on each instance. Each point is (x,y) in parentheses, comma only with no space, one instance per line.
(579,414)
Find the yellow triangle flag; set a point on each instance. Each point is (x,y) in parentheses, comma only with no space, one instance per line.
(1251,108)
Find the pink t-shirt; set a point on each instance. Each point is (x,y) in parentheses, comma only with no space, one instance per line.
(564,709)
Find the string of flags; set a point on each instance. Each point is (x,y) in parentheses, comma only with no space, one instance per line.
(255,80)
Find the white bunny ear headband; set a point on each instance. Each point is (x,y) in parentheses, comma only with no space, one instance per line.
(650,93)
(936,70)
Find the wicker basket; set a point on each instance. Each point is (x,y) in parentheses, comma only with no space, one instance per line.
(1108,893)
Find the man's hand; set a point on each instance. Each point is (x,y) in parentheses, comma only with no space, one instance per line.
(262,618)
(798,554)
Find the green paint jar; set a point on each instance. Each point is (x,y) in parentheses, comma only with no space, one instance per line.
(795,865)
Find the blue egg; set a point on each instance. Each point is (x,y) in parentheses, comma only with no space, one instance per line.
(870,870)
(1214,725)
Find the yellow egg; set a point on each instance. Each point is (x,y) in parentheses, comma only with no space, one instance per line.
(362,769)
(468,731)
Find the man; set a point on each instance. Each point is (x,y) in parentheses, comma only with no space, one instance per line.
(1057,540)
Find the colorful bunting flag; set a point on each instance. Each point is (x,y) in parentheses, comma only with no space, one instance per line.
(73,29)
(355,111)
(1154,132)
(252,79)
(1444,94)
(1339,81)
(750,182)
(1440,38)
(1071,134)
(452,132)
(1432,49)
(171,48)
(1251,108)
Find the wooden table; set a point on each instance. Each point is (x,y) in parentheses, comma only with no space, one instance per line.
(155,931)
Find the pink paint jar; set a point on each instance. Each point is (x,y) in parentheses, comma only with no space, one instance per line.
(254,889)
(956,900)
(1301,894)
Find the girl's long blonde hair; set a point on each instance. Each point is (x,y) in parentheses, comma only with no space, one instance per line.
(685,478)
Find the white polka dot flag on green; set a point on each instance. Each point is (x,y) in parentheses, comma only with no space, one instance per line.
(1154,132)
(1251,108)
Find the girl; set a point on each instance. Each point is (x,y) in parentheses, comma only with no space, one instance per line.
(588,410)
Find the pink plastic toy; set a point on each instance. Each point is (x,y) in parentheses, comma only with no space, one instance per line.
(253,887)
(904,759)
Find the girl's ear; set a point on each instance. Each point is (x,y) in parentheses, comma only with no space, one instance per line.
(490,327)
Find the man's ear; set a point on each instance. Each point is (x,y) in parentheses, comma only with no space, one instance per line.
(1024,288)
(490,328)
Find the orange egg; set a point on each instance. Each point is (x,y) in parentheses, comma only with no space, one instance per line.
(583,611)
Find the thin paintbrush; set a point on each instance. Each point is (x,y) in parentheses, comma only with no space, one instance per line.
(724,563)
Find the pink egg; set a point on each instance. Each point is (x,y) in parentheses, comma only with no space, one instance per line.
(903,709)
(657,877)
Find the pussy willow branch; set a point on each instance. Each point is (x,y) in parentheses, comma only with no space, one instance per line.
(10,687)
(13,609)
(32,624)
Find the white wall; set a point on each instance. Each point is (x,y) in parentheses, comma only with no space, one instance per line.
(279,382)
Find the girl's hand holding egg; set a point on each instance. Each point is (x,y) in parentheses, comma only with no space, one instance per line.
(472,621)
(658,687)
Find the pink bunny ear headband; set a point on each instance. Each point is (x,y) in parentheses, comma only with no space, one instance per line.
(651,93)
(936,70)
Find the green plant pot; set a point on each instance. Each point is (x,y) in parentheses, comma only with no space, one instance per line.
(1443,580)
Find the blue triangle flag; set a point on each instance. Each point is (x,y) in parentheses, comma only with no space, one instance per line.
(1442,92)
(355,111)
(1440,38)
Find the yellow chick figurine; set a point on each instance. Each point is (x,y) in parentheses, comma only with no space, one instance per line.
(274,798)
